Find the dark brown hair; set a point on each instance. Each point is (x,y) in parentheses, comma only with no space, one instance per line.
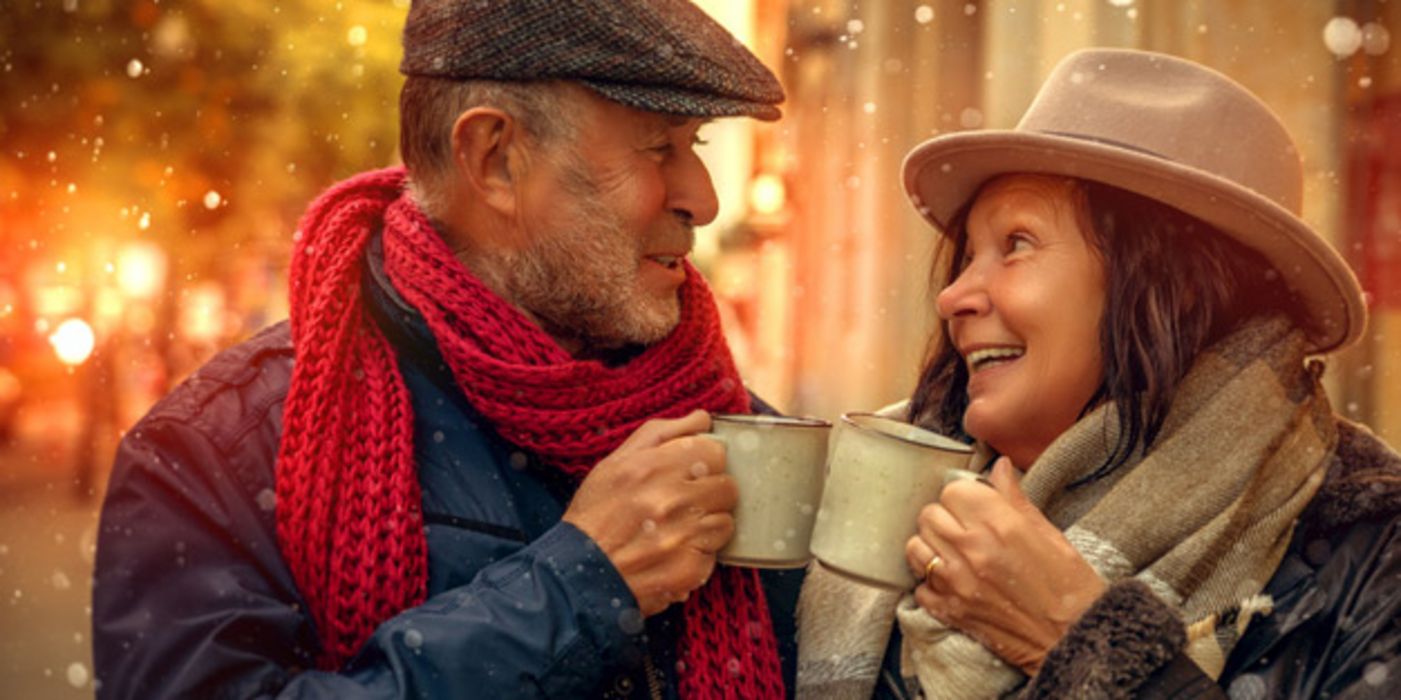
(1173,286)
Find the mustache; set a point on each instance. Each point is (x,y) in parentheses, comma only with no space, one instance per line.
(672,237)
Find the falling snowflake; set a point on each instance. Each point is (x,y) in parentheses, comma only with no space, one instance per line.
(1375,674)
(1375,39)
(970,118)
(1342,36)
(77,674)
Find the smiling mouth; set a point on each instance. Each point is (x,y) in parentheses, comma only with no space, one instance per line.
(984,358)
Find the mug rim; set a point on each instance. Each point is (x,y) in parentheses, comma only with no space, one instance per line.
(867,417)
(771,420)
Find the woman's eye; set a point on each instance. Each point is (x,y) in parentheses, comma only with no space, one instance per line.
(1018,242)
(698,141)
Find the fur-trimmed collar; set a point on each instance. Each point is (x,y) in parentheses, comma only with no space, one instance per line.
(1363,482)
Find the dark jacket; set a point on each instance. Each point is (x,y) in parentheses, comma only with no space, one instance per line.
(1334,632)
(191,596)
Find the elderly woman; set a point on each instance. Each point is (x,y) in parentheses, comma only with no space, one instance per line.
(1130,314)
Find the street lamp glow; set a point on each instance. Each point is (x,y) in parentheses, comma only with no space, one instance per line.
(202,312)
(141,270)
(73,341)
(767,194)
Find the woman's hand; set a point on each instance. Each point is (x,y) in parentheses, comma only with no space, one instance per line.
(1005,575)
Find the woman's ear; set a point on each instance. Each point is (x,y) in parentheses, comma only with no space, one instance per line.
(485,142)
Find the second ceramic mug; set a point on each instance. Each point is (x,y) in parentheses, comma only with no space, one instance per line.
(881,472)
(777,464)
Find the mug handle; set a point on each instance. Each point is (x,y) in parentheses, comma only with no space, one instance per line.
(955,474)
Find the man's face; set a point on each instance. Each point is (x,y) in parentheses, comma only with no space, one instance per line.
(607,221)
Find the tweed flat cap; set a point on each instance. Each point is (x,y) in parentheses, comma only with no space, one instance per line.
(657,55)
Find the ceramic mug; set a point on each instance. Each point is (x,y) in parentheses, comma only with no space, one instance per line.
(881,472)
(777,464)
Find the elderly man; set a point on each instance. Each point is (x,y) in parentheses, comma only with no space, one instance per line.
(466,468)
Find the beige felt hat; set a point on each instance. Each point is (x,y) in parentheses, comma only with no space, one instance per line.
(1171,130)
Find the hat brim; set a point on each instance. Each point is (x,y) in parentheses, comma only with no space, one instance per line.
(690,103)
(941,175)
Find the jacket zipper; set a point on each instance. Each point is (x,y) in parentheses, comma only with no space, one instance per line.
(654,686)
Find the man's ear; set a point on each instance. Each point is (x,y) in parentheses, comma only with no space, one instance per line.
(485,143)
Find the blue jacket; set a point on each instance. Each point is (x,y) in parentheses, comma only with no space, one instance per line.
(191,596)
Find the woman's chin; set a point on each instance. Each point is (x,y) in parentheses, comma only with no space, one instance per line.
(979,425)
(1002,438)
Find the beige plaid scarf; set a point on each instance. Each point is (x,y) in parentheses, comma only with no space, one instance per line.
(1203,519)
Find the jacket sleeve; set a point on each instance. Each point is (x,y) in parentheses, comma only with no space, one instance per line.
(1127,645)
(192,599)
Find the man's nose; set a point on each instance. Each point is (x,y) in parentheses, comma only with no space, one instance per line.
(690,193)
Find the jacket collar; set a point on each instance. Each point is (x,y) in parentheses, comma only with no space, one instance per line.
(1363,482)
(401,323)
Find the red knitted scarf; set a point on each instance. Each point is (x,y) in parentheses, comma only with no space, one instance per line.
(348,499)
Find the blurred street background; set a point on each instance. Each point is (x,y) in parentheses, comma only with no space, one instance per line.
(155,156)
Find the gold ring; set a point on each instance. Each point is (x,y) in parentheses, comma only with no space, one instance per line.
(934,562)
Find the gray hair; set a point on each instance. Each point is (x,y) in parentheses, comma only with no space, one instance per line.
(429,107)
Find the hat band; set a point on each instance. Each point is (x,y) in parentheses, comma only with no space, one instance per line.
(1108,142)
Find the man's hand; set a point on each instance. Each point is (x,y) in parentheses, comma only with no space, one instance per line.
(660,507)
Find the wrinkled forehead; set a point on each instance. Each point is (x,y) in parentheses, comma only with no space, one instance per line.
(1014,193)
(1018,198)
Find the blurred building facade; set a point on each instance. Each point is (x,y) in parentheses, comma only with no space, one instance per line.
(830,287)
(183,163)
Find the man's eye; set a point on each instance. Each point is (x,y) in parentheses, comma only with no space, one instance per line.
(698,141)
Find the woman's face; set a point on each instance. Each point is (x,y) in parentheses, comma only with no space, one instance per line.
(1024,313)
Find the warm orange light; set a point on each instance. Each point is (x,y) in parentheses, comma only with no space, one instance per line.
(57,300)
(767,194)
(107,307)
(141,270)
(202,312)
(73,341)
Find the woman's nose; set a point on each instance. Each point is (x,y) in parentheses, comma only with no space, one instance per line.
(965,296)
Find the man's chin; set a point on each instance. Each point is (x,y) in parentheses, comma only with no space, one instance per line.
(646,322)
(651,328)
(638,322)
